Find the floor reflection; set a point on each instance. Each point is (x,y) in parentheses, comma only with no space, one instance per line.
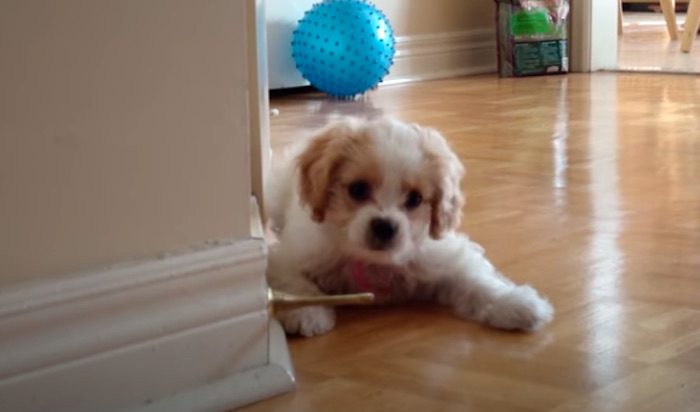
(560,138)
(361,107)
(607,260)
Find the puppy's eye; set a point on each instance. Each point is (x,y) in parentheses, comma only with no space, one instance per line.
(413,200)
(359,190)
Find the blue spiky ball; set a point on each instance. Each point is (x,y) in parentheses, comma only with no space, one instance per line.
(343,47)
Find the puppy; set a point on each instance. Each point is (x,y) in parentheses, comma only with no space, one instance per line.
(373,206)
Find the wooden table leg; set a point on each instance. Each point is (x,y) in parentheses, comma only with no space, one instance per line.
(692,21)
(668,7)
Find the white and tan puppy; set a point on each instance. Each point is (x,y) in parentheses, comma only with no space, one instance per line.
(373,206)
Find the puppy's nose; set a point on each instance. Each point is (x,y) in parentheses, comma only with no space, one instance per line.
(383,231)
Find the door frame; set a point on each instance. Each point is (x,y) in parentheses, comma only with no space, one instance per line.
(593,25)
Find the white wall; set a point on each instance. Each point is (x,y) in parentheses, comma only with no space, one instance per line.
(416,17)
(123,130)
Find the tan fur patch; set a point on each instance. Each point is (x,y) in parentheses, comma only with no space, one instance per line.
(445,172)
(335,158)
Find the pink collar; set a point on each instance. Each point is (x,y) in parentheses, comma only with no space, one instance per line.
(380,287)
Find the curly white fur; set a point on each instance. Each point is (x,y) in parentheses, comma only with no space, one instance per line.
(323,231)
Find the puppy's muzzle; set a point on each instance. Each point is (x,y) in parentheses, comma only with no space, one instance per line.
(382,233)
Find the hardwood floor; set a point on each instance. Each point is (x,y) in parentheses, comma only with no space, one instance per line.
(646,46)
(586,186)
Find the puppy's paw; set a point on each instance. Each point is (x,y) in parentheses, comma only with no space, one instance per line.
(520,309)
(308,321)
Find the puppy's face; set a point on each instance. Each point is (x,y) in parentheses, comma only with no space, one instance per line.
(381,187)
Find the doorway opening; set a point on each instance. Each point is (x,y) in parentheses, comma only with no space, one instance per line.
(650,37)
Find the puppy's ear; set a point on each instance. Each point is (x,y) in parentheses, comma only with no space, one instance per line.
(319,164)
(447,172)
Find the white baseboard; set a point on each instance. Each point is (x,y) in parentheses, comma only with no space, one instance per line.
(237,389)
(131,337)
(443,55)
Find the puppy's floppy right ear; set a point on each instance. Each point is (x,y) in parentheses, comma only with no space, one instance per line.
(319,163)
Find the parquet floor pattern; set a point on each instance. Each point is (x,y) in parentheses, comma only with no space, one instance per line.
(587,187)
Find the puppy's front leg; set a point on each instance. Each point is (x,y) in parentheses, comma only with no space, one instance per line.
(476,290)
(306,321)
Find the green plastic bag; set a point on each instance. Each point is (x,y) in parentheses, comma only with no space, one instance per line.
(530,23)
(532,37)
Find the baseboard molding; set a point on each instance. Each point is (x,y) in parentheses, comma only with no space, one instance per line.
(133,336)
(443,55)
(238,389)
